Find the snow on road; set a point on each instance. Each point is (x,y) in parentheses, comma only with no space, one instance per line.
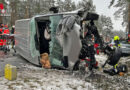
(34,78)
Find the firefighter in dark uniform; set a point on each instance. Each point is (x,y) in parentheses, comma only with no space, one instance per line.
(91,37)
(88,46)
(13,39)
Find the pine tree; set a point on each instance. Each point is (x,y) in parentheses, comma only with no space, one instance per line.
(66,5)
(105,25)
(88,4)
(124,9)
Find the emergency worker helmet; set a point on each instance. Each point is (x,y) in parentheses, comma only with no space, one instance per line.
(116,38)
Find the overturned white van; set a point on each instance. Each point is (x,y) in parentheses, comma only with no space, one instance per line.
(31,41)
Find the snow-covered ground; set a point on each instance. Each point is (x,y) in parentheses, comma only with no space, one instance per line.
(35,78)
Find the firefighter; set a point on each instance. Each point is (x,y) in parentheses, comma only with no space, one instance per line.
(13,39)
(94,34)
(13,29)
(116,41)
(87,49)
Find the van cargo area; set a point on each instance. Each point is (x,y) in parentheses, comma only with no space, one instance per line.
(32,40)
(43,42)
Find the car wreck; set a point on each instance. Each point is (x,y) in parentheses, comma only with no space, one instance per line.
(31,42)
(62,38)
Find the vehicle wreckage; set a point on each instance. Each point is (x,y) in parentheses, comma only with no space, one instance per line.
(64,42)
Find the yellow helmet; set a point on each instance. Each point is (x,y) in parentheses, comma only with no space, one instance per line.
(116,38)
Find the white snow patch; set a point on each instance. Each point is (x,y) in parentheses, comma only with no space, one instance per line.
(35,78)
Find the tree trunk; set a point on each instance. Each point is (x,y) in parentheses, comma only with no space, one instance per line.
(26,12)
(14,12)
(1,21)
(27,9)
